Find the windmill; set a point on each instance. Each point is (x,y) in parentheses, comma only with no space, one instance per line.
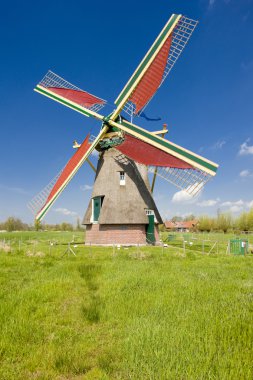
(122,209)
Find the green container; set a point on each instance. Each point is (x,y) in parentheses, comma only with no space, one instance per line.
(239,246)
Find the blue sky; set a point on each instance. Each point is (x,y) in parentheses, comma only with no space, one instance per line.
(206,100)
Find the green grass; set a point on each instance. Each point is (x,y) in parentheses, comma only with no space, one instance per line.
(137,313)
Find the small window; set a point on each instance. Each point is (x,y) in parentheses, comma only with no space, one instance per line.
(149,212)
(122,178)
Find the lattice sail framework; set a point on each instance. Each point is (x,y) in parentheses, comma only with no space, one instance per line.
(189,180)
(61,87)
(161,66)
(40,199)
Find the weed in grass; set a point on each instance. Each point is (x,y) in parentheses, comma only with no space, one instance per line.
(106,362)
(90,272)
(92,311)
(68,362)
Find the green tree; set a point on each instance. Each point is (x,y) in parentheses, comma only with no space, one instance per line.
(189,217)
(66,227)
(223,222)
(177,218)
(14,224)
(250,220)
(78,225)
(205,223)
(242,222)
(37,225)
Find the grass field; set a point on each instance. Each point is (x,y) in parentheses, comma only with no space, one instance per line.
(136,313)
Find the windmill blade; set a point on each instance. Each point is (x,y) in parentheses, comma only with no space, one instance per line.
(167,146)
(155,66)
(172,169)
(58,89)
(41,203)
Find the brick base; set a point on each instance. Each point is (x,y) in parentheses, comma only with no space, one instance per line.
(108,234)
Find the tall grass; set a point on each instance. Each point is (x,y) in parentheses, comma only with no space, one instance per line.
(141,313)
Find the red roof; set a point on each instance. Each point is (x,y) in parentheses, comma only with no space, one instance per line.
(169,224)
(186,225)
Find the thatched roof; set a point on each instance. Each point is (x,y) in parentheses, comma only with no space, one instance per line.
(121,204)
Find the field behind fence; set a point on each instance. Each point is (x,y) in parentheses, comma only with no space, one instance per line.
(50,242)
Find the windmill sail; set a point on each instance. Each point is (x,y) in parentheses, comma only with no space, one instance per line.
(175,150)
(155,66)
(147,154)
(41,203)
(58,89)
(174,170)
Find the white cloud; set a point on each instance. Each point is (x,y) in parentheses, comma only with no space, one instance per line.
(219,144)
(208,202)
(17,190)
(212,2)
(245,148)
(86,187)
(65,211)
(250,204)
(245,173)
(231,203)
(183,197)
(235,208)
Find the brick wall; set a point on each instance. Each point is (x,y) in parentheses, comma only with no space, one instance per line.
(114,234)
(157,237)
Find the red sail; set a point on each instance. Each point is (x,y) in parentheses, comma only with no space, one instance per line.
(152,78)
(147,154)
(80,97)
(70,167)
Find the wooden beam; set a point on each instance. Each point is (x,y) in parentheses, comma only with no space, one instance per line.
(91,165)
(162,132)
(165,130)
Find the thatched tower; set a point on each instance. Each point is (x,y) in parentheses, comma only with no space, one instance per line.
(122,209)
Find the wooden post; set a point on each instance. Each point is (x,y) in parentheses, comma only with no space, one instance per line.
(155,173)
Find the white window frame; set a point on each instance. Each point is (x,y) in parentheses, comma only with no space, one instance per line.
(151,212)
(122,178)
